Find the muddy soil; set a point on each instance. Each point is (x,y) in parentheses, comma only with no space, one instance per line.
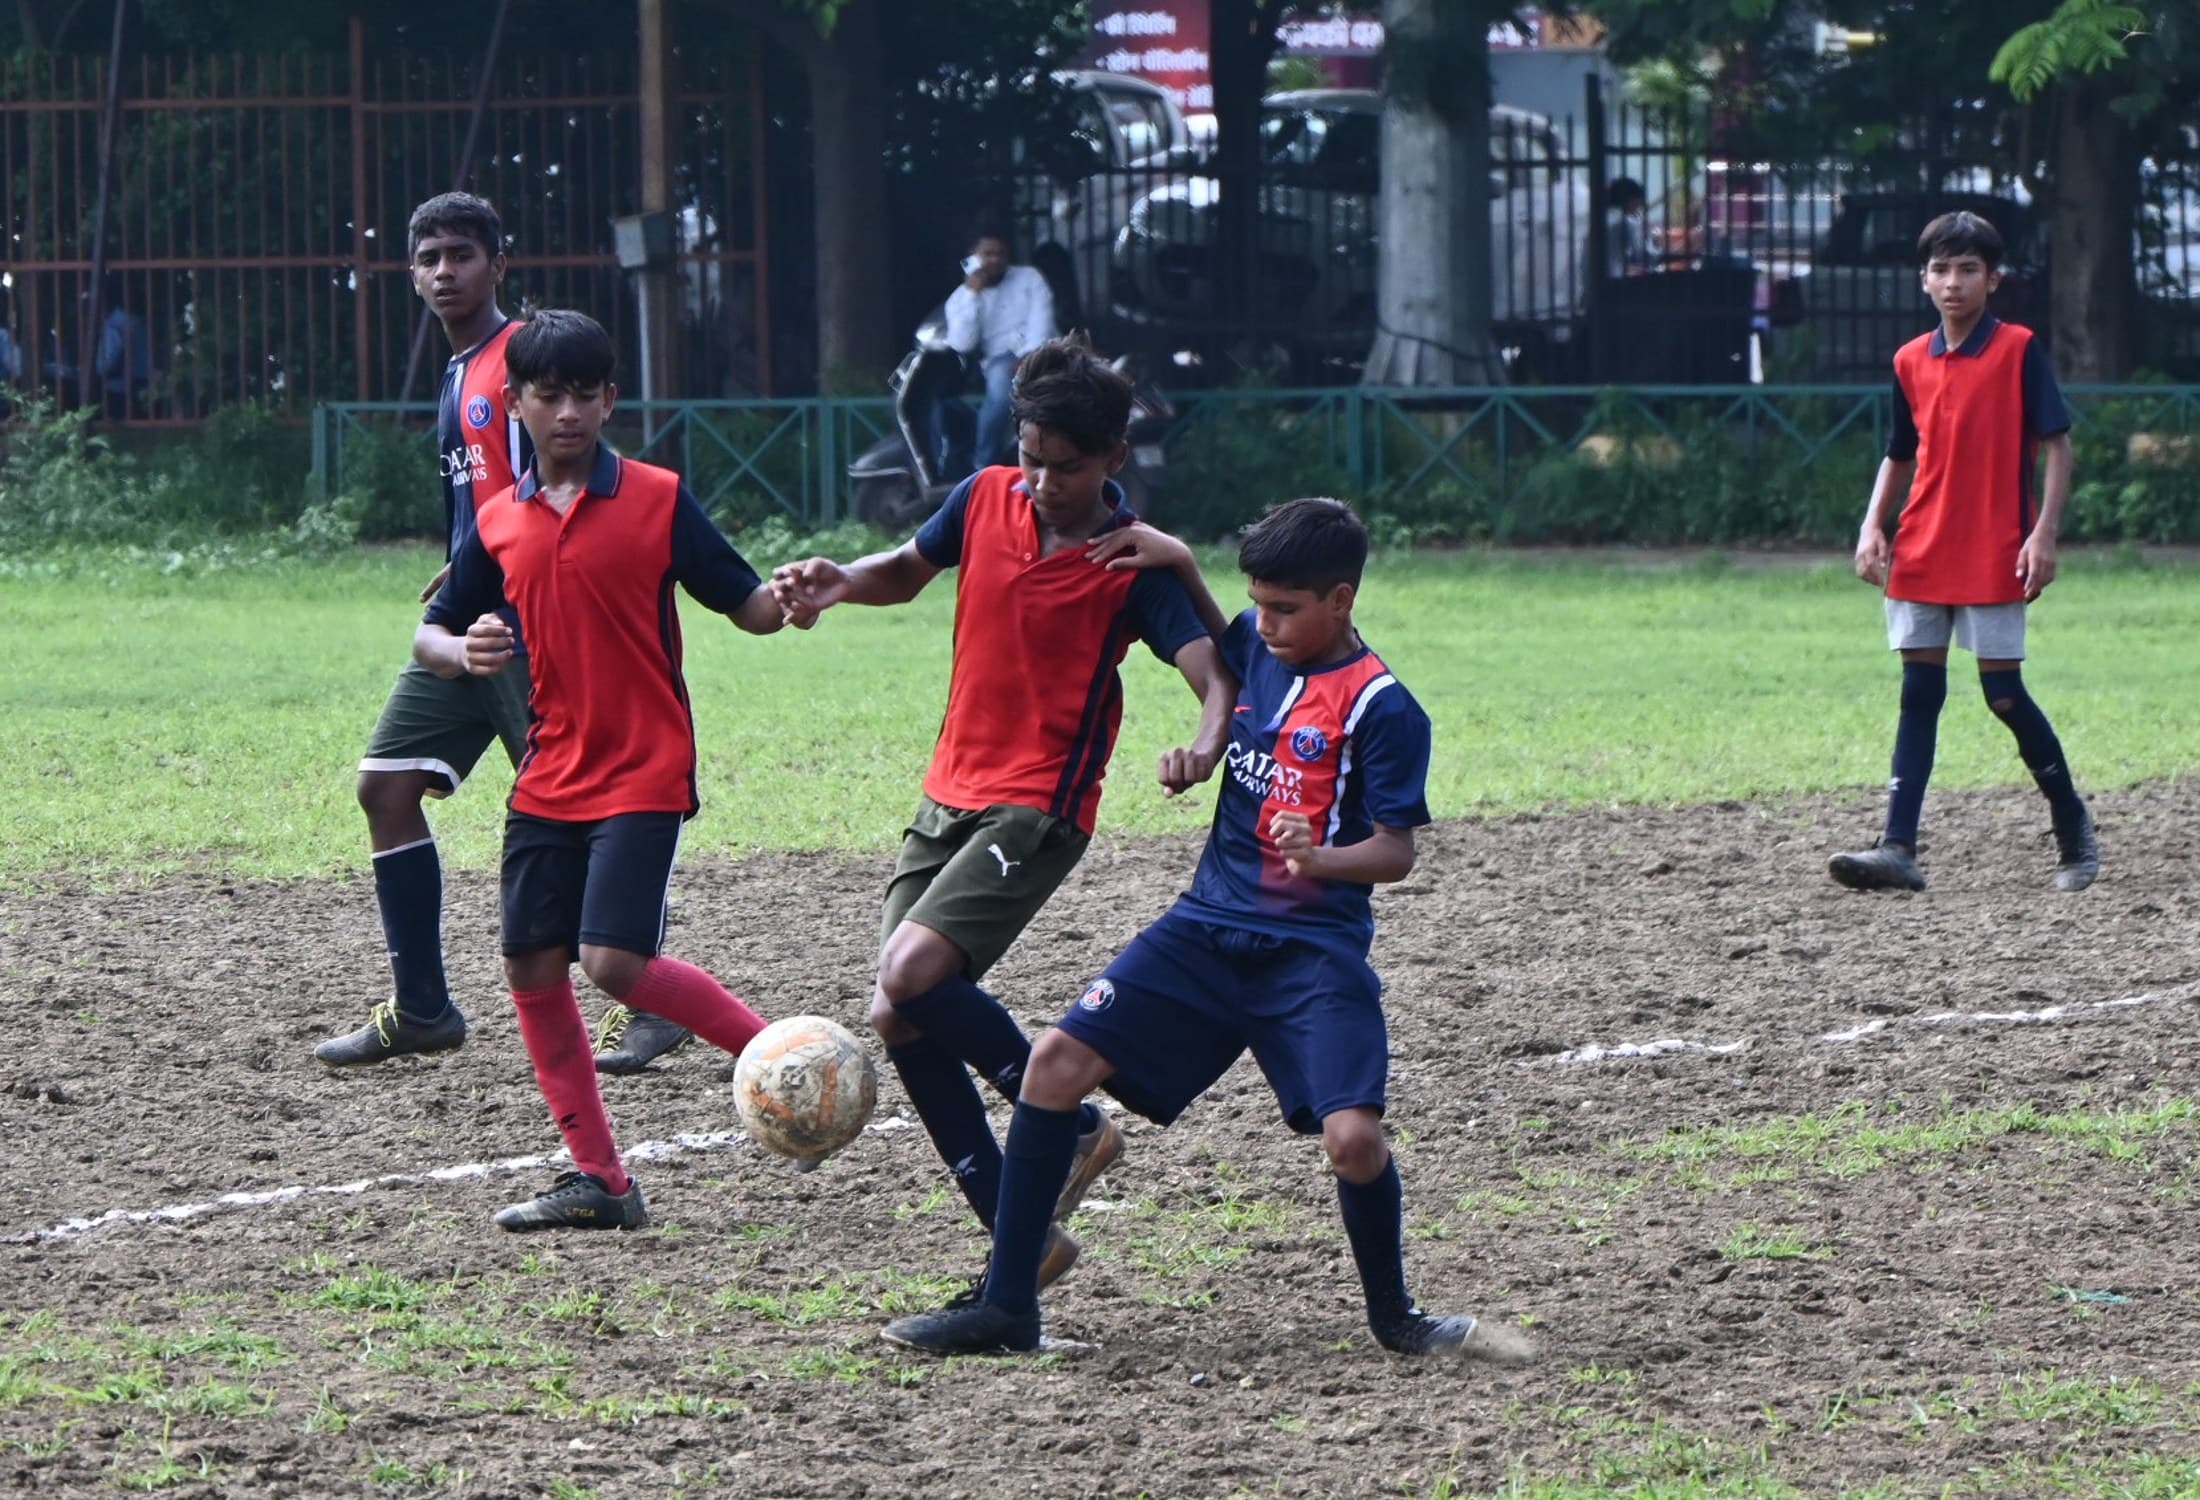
(1899,1158)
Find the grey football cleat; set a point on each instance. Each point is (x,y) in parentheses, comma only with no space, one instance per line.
(1883,867)
(389,1032)
(630,1040)
(578,1200)
(2079,847)
(1459,1337)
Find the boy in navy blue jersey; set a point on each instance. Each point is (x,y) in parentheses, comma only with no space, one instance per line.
(433,729)
(1327,761)
(586,548)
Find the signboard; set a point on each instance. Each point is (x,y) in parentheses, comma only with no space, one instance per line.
(1166,42)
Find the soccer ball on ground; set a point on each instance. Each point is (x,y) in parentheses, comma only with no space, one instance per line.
(804,1088)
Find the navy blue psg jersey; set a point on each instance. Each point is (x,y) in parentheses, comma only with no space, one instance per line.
(1343,744)
(483,448)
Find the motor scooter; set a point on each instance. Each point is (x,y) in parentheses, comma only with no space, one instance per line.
(896,481)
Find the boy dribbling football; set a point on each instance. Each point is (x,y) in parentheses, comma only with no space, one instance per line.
(1267,952)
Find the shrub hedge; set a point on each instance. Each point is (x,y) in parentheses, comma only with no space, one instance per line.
(1612,470)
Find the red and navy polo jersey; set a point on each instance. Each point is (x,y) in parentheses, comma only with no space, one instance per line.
(1972,418)
(1346,745)
(1034,698)
(611,729)
(484,447)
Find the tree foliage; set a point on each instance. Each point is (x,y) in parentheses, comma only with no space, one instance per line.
(2082,37)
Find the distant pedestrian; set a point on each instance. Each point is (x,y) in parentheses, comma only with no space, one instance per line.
(999,314)
(125,362)
(1626,244)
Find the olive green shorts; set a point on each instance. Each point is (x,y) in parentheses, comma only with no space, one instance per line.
(442,725)
(977,878)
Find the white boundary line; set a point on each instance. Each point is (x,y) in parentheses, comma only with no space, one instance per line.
(679,1145)
(2047,1015)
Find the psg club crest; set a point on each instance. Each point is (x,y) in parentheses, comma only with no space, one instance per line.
(1098,995)
(1308,743)
(477,412)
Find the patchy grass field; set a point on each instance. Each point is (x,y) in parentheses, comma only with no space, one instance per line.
(162,722)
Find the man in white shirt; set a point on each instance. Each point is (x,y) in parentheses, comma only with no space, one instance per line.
(999,314)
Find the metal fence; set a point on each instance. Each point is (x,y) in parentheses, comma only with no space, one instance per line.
(1467,447)
(1743,261)
(256,232)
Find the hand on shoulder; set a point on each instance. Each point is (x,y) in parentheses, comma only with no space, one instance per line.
(1137,546)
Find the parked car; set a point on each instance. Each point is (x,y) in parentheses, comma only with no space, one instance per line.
(1859,298)
(1127,135)
(1315,254)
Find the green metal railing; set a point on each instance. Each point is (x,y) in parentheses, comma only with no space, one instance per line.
(793,454)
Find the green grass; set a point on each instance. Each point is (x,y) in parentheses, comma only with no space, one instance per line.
(164,721)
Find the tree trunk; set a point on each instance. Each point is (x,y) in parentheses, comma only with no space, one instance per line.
(1241,38)
(855,344)
(2095,168)
(1433,275)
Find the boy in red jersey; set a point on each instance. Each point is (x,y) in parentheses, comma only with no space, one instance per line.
(1268,949)
(1032,708)
(1974,402)
(432,730)
(586,547)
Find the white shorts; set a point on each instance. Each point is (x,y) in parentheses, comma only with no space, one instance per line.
(1991,632)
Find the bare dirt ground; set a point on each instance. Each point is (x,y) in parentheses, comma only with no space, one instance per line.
(1852,1233)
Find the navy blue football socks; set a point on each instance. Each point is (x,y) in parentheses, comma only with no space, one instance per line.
(1041,1145)
(2036,741)
(408,886)
(1374,1221)
(1916,735)
(945,1099)
(968,1022)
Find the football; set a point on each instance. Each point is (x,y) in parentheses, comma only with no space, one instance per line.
(804,1088)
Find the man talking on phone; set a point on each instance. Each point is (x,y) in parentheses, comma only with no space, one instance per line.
(1000,313)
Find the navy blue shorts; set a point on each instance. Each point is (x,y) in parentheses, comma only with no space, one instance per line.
(601,883)
(1186,998)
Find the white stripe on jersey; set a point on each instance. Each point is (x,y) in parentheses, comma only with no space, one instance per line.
(1344,756)
(1367,696)
(1283,709)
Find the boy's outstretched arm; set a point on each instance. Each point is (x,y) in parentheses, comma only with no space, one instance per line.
(1385,855)
(804,590)
(760,613)
(1201,663)
(1142,546)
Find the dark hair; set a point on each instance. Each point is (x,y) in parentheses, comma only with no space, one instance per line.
(1960,233)
(1623,191)
(1311,544)
(558,346)
(1065,387)
(456,213)
(990,229)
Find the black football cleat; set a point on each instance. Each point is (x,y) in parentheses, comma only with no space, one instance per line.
(979,1328)
(630,1040)
(1458,1337)
(1883,867)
